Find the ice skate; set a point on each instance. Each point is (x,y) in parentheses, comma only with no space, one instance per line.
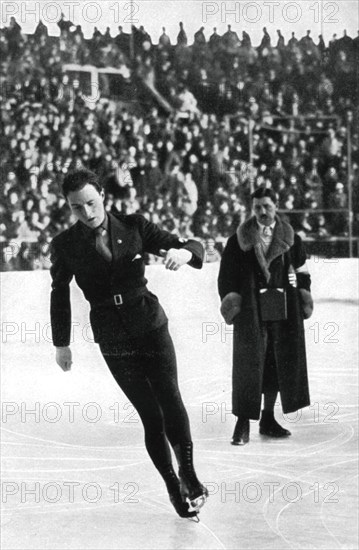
(176,497)
(197,503)
(191,488)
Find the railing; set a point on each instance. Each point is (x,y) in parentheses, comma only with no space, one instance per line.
(332,244)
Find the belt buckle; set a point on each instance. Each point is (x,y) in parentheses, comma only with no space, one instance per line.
(118,299)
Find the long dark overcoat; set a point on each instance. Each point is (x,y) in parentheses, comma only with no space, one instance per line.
(244,269)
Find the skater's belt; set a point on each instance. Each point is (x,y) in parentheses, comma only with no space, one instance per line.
(120,299)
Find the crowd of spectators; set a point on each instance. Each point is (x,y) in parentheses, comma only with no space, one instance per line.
(286,107)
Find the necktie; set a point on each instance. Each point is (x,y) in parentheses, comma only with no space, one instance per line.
(102,245)
(267,231)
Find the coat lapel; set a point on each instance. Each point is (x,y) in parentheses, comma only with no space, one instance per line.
(120,237)
(248,238)
(120,241)
(85,247)
(283,239)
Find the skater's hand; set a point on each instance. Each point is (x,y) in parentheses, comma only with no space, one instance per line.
(64,357)
(175,258)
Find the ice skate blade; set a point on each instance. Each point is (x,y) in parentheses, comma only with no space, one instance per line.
(197,503)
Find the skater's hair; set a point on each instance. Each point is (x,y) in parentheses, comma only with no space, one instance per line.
(76,180)
(262,192)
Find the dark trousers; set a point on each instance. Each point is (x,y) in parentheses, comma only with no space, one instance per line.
(270,377)
(146,371)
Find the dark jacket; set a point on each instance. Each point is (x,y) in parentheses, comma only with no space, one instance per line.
(73,253)
(244,269)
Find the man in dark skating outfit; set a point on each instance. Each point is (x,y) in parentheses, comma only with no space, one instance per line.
(268,354)
(105,254)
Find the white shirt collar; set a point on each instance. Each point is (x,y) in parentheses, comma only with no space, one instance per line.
(261,226)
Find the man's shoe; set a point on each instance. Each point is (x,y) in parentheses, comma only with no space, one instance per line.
(269,426)
(241,432)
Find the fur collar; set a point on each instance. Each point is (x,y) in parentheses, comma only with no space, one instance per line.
(248,238)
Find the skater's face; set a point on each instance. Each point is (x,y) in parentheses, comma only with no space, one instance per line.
(265,210)
(87,205)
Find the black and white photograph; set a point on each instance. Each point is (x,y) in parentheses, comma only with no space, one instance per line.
(179,244)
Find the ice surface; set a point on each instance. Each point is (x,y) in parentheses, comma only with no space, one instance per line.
(295,493)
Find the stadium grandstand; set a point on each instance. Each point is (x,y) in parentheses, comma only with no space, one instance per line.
(181,133)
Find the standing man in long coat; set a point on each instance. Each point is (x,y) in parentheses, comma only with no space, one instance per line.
(268,355)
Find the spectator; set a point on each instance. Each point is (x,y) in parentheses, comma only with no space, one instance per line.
(281,42)
(164,40)
(49,127)
(182,36)
(211,254)
(230,40)
(266,41)
(339,200)
(215,41)
(293,42)
(322,229)
(199,38)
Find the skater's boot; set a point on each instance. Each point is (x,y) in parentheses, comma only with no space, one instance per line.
(190,486)
(269,426)
(173,487)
